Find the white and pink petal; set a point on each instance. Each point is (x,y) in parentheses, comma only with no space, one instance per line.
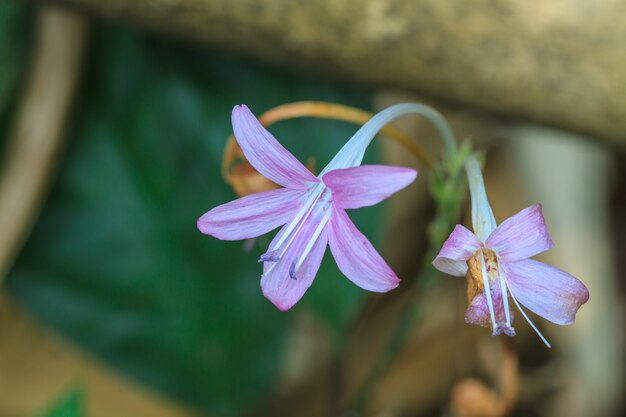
(545,290)
(296,261)
(252,215)
(453,256)
(477,313)
(521,236)
(266,154)
(356,257)
(366,185)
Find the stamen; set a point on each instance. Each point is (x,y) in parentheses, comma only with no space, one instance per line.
(505,294)
(297,263)
(494,325)
(271,256)
(314,237)
(292,270)
(527,319)
(504,328)
(303,213)
(294,232)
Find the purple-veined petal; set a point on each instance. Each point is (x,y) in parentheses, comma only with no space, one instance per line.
(252,215)
(285,281)
(453,256)
(521,236)
(356,257)
(264,152)
(366,185)
(545,290)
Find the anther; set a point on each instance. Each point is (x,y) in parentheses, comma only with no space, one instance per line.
(271,256)
(503,328)
(292,270)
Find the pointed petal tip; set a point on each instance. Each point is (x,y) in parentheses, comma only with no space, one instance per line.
(355,256)
(585,296)
(579,297)
(407,172)
(202,226)
(240,107)
(380,287)
(279,282)
(280,306)
(207,227)
(522,235)
(392,283)
(239,113)
(279,302)
(456,250)
(545,290)
(450,266)
(266,154)
(410,174)
(539,209)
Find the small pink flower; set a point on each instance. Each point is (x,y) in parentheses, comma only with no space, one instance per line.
(312,210)
(496,263)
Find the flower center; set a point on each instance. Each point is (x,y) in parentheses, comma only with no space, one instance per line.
(484,276)
(316,210)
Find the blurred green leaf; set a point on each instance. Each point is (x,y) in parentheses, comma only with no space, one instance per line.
(14,41)
(116,262)
(71,404)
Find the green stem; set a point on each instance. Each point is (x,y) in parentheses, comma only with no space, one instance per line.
(447,187)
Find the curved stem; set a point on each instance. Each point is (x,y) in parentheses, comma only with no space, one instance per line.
(345,113)
(36,133)
(352,152)
(441,124)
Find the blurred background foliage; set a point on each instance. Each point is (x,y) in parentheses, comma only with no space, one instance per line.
(15,29)
(71,404)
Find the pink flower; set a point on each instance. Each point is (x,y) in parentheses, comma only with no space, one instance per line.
(496,263)
(312,210)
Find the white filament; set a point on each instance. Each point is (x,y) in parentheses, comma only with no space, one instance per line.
(315,194)
(505,295)
(527,319)
(494,325)
(292,232)
(313,240)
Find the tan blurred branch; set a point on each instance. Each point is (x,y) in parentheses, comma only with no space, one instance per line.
(556,62)
(38,367)
(36,134)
